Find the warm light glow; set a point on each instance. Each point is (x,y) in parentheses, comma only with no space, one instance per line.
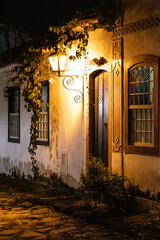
(75,67)
(62,62)
(71,95)
(54,63)
(58,63)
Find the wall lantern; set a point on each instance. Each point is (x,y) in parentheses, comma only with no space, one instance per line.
(58,64)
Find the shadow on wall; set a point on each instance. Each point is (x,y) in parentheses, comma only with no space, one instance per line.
(137,192)
(6,166)
(15,168)
(70,181)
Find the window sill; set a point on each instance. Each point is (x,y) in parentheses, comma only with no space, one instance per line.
(144,145)
(147,150)
(14,140)
(42,143)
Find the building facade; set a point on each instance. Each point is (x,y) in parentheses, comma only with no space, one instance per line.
(111,110)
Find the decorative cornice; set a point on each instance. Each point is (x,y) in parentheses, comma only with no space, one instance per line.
(137,26)
(117,49)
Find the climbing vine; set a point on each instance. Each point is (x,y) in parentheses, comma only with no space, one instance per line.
(66,35)
(29,68)
(32,61)
(59,39)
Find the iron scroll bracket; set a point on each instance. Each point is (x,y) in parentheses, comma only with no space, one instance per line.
(69,81)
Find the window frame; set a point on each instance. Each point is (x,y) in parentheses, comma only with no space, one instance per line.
(42,142)
(152,61)
(11,139)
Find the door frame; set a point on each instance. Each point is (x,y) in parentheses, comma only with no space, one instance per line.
(90,134)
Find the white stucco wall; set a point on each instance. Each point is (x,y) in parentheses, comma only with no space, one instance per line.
(66,153)
(12,154)
(66,134)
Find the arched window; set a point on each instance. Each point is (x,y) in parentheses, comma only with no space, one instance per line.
(141,108)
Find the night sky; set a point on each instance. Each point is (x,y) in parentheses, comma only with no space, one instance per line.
(35,16)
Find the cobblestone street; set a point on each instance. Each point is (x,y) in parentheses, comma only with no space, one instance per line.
(51,210)
(32,221)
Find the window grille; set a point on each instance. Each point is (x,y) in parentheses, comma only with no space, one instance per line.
(42,127)
(14,125)
(43,121)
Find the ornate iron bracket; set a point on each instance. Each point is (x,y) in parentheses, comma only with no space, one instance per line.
(116,145)
(69,81)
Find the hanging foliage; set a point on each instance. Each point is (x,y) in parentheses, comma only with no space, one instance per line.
(29,68)
(32,61)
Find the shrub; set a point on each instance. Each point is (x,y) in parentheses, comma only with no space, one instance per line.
(98,185)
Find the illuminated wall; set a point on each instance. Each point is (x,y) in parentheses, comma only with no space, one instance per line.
(68,149)
(68,121)
(140,36)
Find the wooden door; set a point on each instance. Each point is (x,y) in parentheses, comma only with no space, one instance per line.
(99,117)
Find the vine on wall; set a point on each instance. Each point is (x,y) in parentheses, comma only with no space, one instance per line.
(32,61)
(29,68)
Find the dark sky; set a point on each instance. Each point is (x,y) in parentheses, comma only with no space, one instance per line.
(35,16)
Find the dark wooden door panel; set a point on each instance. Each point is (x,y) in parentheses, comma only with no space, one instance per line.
(100,119)
(105,123)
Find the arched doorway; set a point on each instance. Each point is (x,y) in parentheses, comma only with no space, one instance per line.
(98,122)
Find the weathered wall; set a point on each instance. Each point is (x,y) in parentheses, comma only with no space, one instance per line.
(12,154)
(66,153)
(68,119)
(142,171)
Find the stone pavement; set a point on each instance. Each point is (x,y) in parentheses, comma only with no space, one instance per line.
(27,220)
